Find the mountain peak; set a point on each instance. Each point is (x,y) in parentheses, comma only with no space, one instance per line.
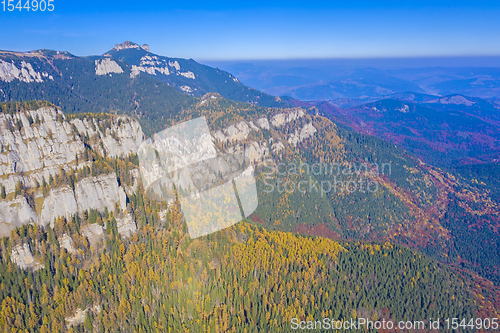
(130,45)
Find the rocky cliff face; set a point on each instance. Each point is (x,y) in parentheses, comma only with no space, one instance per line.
(130,45)
(14,213)
(23,72)
(152,64)
(67,243)
(90,193)
(39,143)
(36,144)
(284,131)
(21,256)
(107,66)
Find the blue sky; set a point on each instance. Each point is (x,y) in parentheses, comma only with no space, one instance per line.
(225,30)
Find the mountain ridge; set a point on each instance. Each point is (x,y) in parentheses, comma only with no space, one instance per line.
(407,209)
(442,130)
(107,84)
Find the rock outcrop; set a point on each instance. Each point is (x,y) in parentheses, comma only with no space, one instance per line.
(24,73)
(305,132)
(97,193)
(130,45)
(281,119)
(175,64)
(188,74)
(77,319)
(22,257)
(94,233)
(124,139)
(235,132)
(79,316)
(15,213)
(59,202)
(67,243)
(238,134)
(126,226)
(35,145)
(154,65)
(90,193)
(107,66)
(263,123)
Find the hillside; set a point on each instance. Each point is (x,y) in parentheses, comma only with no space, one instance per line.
(395,198)
(129,265)
(448,215)
(153,87)
(188,76)
(242,278)
(444,131)
(92,197)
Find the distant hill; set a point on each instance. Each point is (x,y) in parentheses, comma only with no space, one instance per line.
(445,131)
(331,79)
(352,88)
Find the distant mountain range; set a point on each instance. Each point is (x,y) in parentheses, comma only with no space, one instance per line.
(334,79)
(447,116)
(446,131)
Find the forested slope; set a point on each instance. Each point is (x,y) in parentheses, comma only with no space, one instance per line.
(152,276)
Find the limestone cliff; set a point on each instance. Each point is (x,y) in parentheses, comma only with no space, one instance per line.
(15,213)
(91,193)
(107,66)
(23,72)
(239,137)
(21,256)
(37,144)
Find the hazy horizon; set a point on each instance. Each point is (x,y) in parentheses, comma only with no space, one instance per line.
(382,62)
(376,62)
(224,30)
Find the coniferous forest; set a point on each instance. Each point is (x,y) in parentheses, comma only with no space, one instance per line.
(258,275)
